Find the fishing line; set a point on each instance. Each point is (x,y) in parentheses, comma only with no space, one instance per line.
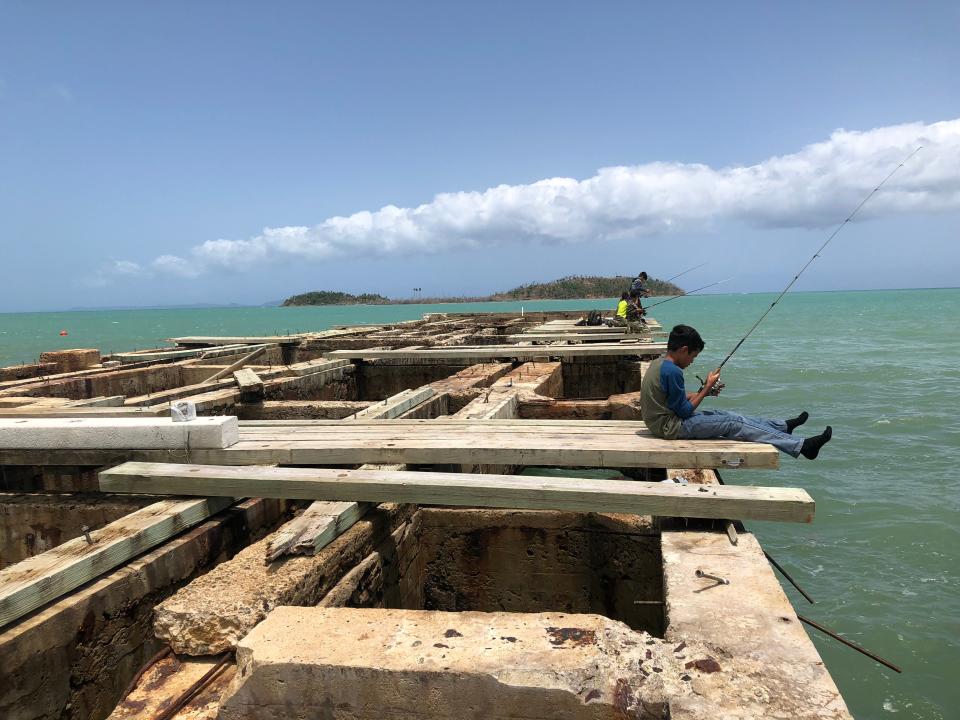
(677,297)
(817,254)
(686,271)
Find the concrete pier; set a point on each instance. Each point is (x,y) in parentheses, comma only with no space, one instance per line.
(385,610)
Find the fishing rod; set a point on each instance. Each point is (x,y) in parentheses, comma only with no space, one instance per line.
(817,254)
(686,271)
(677,297)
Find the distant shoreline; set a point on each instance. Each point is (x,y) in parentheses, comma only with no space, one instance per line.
(572,287)
(242,306)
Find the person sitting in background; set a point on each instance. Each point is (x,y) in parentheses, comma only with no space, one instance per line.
(620,319)
(635,312)
(671,413)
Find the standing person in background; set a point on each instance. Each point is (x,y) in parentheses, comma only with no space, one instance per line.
(638,288)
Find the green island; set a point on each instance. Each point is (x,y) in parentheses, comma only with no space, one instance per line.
(573,287)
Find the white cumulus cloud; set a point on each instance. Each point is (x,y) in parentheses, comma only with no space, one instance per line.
(814,187)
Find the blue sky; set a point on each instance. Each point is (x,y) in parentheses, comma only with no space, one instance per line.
(133,136)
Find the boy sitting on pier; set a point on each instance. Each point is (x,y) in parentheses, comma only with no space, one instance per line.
(671,413)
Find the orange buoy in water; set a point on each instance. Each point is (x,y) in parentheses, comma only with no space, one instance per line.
(63,332)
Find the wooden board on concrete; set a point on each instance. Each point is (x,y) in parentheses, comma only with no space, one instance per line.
(395,405)
(245,360)
(238,340)
(434,441)
(576,337)
(248,381)
(310,367)
(561,443)
(315,528)
(160,354)
(85,412)
(42,578)
(488,352)
(504,491)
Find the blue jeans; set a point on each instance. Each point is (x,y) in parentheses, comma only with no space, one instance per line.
(720,424)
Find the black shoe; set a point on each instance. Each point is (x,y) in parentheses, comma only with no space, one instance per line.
(797,421)
(811,446)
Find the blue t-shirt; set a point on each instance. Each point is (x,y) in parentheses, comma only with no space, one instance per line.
(671,382)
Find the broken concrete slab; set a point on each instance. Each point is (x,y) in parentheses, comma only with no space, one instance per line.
(372,663)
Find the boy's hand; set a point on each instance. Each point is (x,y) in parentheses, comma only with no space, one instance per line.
(715,390)
(713,377)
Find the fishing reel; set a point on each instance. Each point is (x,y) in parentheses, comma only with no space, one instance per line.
(714,391)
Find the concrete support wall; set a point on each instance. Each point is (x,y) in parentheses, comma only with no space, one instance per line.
(520,561)
(31,524)
(337,384)
(50,478)
(73,658)
(524,561)
(300,409)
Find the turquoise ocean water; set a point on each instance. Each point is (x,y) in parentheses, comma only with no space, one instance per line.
(882,558)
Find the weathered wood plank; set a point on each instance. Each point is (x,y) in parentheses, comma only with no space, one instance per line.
(245,360)
(250,385)
(395,405)
(482,352)
(42,578)
(578,337)
(238,340)
(506,491)
(316,527)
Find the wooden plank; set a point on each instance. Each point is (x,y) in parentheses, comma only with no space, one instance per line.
(237,340)
(572,425)
(316,527)
(576,337)
(563,443)
(482,352)
(245,360)
(250,385)
(158,354)
(442,445)
(85,412)
(34,582)
(502,491)
(101,401)
(395,405)
(311,367)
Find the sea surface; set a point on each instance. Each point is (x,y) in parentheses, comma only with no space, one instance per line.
(882,558)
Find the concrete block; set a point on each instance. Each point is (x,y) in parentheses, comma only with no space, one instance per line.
(118,433)
(374,663)
(71,360)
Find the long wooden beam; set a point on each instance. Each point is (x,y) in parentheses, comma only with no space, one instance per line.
(433,442)
(480,352)
(238,340)
(580,337)
(395,405)
(34,582)
(502,491)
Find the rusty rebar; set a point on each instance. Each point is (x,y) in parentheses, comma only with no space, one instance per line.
(195,689)
(166,650)
(787,576)
(849,643)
